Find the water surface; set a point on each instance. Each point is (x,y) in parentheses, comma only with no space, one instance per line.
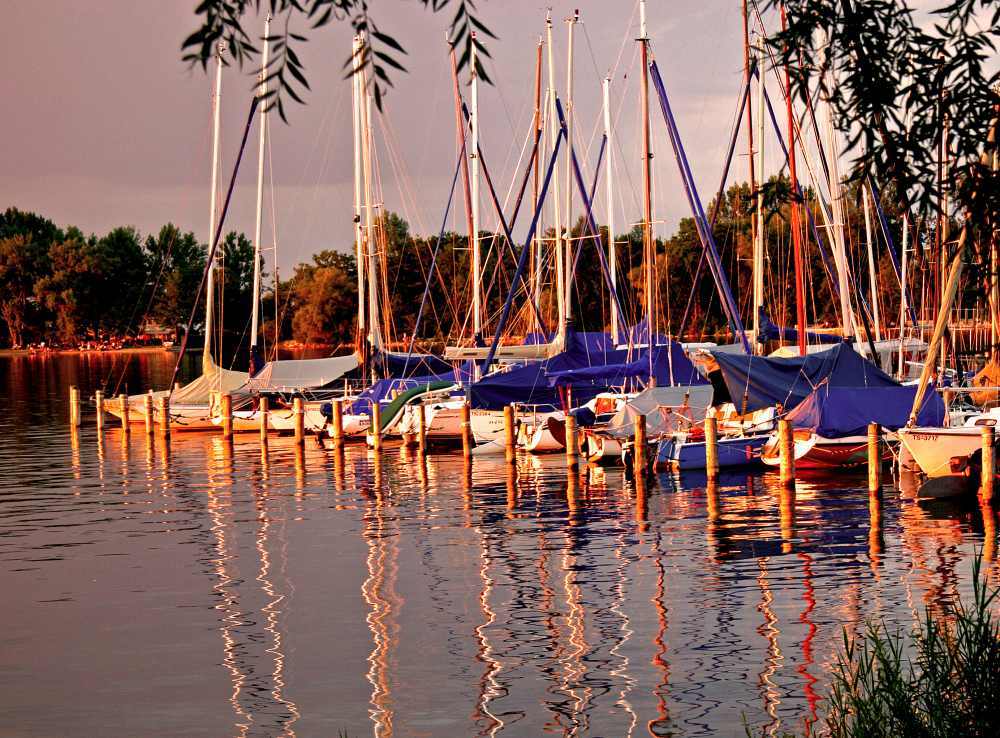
(203,589)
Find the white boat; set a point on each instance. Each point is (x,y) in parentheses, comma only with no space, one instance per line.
(941,452)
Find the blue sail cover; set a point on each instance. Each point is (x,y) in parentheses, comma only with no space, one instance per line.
(766,381)
(771,332)
(836,412)
(587,371)
(384,387)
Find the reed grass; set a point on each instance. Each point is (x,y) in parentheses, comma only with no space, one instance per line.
(939,681)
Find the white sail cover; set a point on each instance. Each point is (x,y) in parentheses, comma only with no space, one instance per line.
(666,409)
(198,391)
(293,375)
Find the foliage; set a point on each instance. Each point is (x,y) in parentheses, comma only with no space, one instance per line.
(898,88)
(323,299)
(227,21)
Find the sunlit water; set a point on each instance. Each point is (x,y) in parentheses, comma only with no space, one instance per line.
(202,589)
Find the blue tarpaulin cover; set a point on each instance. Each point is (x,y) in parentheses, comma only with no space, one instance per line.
(384,387)
(768,381)
(836,412)
(589,367)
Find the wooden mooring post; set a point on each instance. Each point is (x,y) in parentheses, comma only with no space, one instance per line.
(376,428)
(466,430)
(786,451)
(874,458)
(226,410)
(263,416)
(147,412)
(299,412)
(987,482)
(338,422)
(639,448)
(510,451)
(421,429)
(74,406)
(711,447)
(572,453)
(163,411)
(123,407)
(99,407)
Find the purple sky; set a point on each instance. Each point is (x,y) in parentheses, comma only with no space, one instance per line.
(106,126)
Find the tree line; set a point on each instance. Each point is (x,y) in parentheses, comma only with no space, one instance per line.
(66,288)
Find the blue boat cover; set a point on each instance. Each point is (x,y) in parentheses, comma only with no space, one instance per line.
(771,332)
(384,387)
(836,412)
(588,368)
(766,381)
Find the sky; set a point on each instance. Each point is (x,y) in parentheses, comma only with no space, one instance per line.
(106,126)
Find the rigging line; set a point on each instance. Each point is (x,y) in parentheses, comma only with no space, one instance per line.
(215,240)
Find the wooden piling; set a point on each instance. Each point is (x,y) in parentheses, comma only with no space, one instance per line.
(376,429)
(226,410)
(264,415)
(572,453)
(874,458)
(467,443)
(123,406)
(338,422)
(639,447)
(988,479)
(298,410)
(421,429)
(786,450)
(163,411)
(510,452)
(99,406)
(147,412)
(74,406)
(711,447)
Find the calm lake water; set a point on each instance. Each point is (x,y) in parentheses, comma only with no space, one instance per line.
(201,589)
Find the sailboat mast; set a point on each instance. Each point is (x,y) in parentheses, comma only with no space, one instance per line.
(568,247)
(871,261)
(477,267)
(902,294)
(758,294)
(206,356)
(370,246)
(758,245)
(800,290)
(359,249)
(536,245)
(609,191)
(647,200)
(255,313)
(557,221)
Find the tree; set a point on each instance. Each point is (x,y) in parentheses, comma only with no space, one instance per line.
(177,261)
(20,262)
(123,281)
(324,299)
(70,289)
(226,21)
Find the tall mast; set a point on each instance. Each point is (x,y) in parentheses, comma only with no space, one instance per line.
(568,246)
(902,293)
(557,221)
(359,236)
(649,255)
(800,290)
(609,192)
(536,245)
(206,355)
(871,261)
(758,221)
(255,313)
(370,246)
(838,222)
(750,152)
(477,289)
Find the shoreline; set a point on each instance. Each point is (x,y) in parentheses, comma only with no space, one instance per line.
(50,352)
